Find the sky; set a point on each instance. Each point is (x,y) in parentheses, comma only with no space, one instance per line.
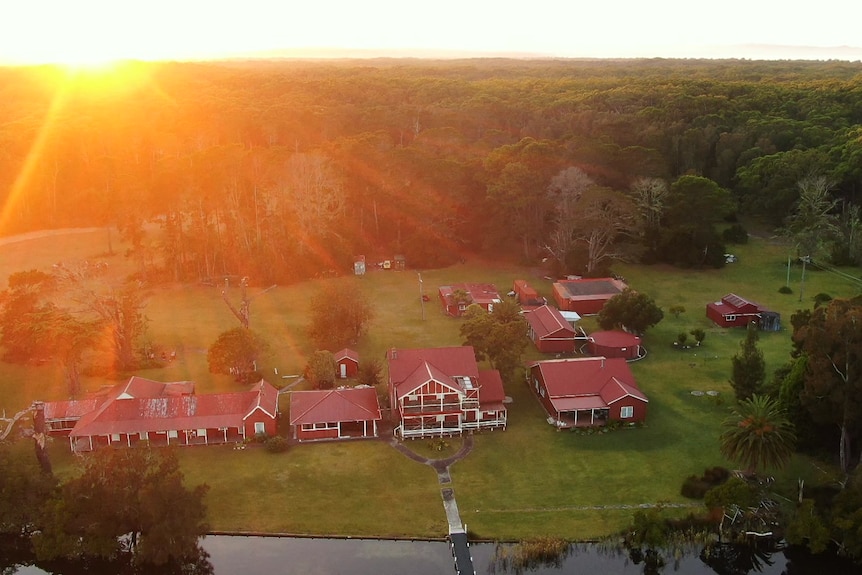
(90,31)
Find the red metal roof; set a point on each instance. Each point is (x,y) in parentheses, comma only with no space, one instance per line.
(142,387)
(732,303)
(590,288)
(346,353)
(177,412)
(329,406)
(478,292)
(606,380)
(547,321)
(451,361)
(614,338)
(491,392)
(70,409)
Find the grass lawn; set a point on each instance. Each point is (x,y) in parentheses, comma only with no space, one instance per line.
(529,480)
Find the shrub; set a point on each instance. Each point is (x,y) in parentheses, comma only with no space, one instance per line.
(822,298)
(695,487)
(275,444)
(785,289)
(735,234)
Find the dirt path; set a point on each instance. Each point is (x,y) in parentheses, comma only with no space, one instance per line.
(45,234)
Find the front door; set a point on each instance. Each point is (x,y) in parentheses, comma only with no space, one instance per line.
(343,367)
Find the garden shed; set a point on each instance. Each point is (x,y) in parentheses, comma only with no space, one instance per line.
(346,363)
(614,343)
(587,296)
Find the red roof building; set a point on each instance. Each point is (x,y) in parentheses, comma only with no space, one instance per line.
(734,311)
(455,298)
(550,331)
(346,363)
(587,391)
(334,413)
(614,343)
(169,414)
(587,296)
(440,391)
(526,295)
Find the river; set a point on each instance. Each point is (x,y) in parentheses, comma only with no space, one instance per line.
(231,555)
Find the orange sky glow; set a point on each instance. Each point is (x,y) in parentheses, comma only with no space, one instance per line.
(94,32)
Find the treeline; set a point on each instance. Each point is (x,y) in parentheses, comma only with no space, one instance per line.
(281,170)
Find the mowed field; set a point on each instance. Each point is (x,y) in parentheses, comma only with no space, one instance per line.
(529,480)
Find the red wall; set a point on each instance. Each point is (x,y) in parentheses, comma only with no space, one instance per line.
(630,352)
(640,410)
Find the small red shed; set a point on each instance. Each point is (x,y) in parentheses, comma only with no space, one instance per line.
(614,343)
(346,363)
(735,311)
(550,331)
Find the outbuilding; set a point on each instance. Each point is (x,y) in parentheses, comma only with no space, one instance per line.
(349,413)
(735,311)
(614,343)
(550,331)
(346,363)
(587,296)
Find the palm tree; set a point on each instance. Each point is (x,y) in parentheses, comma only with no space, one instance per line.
(758,434)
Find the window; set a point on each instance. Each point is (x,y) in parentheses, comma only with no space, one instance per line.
(627,411)
(115,437)
(172,434)
(143,435)
(259,427)
(542,391)
(730,317)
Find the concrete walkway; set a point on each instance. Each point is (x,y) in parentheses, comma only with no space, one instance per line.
(457,532)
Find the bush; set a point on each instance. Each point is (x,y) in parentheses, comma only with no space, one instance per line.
(821,299)
(735,234)
(695,487)
(275,444)
(785,289)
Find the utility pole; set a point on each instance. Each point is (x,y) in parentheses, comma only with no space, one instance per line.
(421,295)
(805,260)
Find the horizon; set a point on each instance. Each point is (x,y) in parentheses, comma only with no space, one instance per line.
(92,32)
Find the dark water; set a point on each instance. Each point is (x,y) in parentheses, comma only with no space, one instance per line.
(274,555)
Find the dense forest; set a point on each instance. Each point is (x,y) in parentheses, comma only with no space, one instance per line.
(281,170)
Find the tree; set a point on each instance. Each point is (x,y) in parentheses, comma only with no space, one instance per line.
(339,317)
(758,434)
(236,352)
(24,314)
(126,499)
(24,490)
(748,366)
(631,310)
(831,339)
(121,311)
(499,336)
(813,225)
(370,371)
(321,370)
(564,194)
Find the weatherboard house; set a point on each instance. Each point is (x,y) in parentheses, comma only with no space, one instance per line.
(735,311)
(587,391)
(436,392)
(456,297)
(347,413)
(142,410)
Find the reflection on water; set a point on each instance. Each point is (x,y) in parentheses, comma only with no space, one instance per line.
(231,555)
